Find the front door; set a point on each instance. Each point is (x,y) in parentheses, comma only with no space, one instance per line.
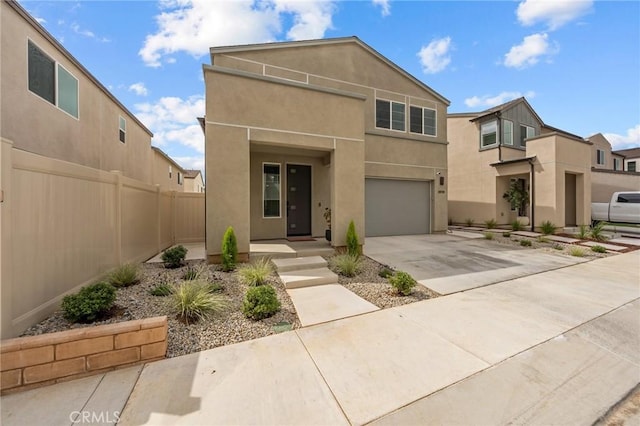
(298,200)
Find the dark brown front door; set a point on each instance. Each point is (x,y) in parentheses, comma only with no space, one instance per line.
(298,200)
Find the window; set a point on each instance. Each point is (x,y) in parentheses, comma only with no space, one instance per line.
(488,134)
(525,133)
(180,178)
(507,132)
(390,115)
(600,157)
(123,129)
(629,198)
(51,81)
(631,166)
(170,172)
(616,164)
(270,190)
(422,120)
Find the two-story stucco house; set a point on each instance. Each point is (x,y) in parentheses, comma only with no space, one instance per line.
(193,181)
(510,144)
(295,128)
(602,156)
(631,159)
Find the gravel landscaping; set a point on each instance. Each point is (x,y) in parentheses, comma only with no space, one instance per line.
(228,327)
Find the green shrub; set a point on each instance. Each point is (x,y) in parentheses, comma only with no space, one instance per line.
(215,288)
(558,246)
(597,232)
(346,264)
(192,301)
(195,273)
(468,221)
(491,223)
(385,272)
(353,245)
(260,302)
(576,251)
(123,276)
(174,257)
(543,239)
(599,249)
(488,235)
(547,227)
(89,303)
(525,243)
(403,283)
(229,250)
(516,225)
(506,234)
(583,232)
(161,290)
(256,273)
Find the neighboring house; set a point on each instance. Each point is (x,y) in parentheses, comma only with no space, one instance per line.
(166,172)
(297,127)
(510,144)
(602,156)
(631,159)
(193,181)
(53,106)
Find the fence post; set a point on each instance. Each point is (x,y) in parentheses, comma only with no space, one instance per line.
(6,245)
(159,219)
(118,207)
(174,213)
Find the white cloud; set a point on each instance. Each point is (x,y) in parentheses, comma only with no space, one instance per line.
(193,26)
(86,33)
(554,13)
(139,89)
(193,163)
(41,21)
(630,140)
(528,52)
(384,5)
(174,120)
(489,101)
(435,56)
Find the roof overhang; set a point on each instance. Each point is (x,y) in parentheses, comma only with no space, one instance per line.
(514,161)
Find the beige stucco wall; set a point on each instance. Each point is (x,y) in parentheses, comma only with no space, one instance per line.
(160,167)
(605,183)
(195,184)
(37,126)
(600,142)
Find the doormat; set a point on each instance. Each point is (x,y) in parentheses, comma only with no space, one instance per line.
(294,239)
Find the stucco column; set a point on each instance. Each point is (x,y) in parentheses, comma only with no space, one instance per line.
(228,188)
(347,182)
(6,249)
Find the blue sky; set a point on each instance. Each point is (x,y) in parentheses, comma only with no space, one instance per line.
(578,62)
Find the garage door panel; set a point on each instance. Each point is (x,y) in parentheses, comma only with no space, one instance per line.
(396,207)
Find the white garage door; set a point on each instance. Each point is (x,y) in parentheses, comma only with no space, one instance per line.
(396,207)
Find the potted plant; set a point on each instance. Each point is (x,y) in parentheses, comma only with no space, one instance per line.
(327,217)
(518,197)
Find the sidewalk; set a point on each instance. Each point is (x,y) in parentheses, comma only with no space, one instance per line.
(559,347)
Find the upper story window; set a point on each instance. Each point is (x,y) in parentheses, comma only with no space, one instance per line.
(422,120)
(51,81)
(617,164)
(390,115)
(600,157)
(170,172)
(123,129)
(488,134)
(525,133)
(631,166)
(270,190)
(180,178)
(507,132)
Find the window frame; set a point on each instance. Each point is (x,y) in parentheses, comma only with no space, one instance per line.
(422,121)
(497,141)
(391,104)
(599,153)
(180,178)
(503,140)
(122,131)
(170,172)
(526,133)
(266,163)
(635,166)
(56,81)
(617,164)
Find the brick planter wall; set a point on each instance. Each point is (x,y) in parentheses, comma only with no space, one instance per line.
(32,361)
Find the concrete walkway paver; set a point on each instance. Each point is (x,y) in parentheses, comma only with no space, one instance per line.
(611,247)
(318,304)
(270,381)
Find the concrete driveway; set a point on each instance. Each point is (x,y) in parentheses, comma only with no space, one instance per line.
(448,263)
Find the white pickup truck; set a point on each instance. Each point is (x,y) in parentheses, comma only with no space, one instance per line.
(623,207)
